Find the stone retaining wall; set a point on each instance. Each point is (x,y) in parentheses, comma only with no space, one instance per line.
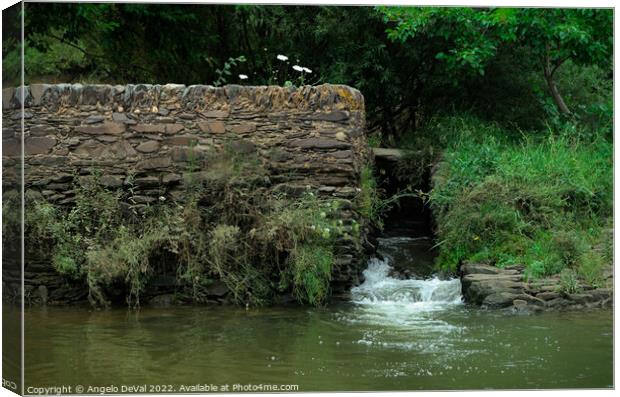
(308,136)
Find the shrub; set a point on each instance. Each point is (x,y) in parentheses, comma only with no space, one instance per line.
(538,202)
(590,267)
(312,270)
(569,282)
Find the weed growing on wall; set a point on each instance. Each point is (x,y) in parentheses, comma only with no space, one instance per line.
(369,197)
(230,226)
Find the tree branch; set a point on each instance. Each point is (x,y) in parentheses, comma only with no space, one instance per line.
(559,63)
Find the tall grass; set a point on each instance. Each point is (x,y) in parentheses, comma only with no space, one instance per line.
(540,200)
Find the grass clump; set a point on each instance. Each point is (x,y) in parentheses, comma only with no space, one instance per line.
(542,202)
(312,271)
(369,199)
(569,282)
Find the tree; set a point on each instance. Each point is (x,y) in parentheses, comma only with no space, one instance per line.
(553,36)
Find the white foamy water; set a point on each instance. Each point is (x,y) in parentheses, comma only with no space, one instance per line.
(411,314)
(415,294)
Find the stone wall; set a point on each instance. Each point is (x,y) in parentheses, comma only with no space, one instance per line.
(308,136)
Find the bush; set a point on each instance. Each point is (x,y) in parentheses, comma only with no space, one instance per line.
(538,202)
(590,268)
(312,271)
(569,282)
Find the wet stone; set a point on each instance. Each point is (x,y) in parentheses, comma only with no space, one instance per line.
(500,299)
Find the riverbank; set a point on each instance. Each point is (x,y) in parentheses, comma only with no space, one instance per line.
(507,288)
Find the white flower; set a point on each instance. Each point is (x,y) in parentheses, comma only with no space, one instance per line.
(162,198)
(298,68)
(243,76)
(307,70)
(282,57)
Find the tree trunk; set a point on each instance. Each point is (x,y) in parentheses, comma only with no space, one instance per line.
(549,72)
(555,94)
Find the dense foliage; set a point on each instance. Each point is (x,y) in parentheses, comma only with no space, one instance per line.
(550,36)
(408,61)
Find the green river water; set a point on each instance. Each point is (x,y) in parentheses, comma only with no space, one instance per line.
(393,335)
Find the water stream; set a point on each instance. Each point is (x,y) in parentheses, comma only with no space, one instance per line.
(395,334)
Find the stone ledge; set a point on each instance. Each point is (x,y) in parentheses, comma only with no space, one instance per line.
(195,98)
(497,288)
(388,154)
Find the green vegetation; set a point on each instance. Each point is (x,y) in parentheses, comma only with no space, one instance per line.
(542,201)
(569,282)
(552,37)
(369,197)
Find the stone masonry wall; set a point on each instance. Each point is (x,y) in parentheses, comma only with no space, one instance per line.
(308,136)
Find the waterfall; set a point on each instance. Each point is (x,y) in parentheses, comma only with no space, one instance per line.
(415,308)
(424,294)
(411,314)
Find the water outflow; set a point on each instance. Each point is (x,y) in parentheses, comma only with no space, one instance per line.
(411,294)
(411,314)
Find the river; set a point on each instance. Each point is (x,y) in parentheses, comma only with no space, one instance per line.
(393,334)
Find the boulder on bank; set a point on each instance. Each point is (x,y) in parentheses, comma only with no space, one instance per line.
(495,288)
